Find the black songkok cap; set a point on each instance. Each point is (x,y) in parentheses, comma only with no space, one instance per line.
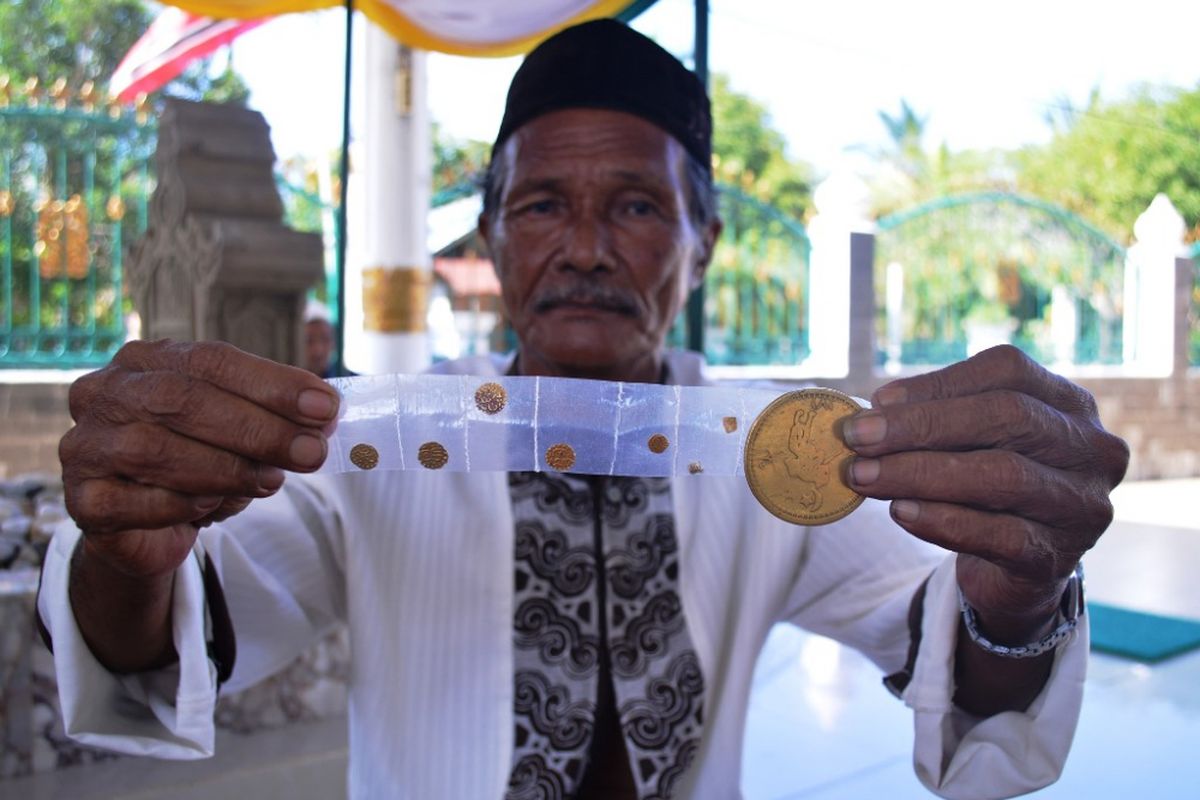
(606,64)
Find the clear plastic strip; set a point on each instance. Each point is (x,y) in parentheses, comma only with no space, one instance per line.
(460,423)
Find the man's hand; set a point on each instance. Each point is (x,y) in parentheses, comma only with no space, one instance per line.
(1003,462)
(168,438)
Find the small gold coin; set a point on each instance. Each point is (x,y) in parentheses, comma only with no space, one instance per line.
(491,398)
(795,457)
(560,457)
(432,455)
(730,424)
(364,456)
(658,443)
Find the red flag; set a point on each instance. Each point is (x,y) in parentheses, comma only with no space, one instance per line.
(173,40)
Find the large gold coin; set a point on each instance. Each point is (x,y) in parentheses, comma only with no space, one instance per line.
(795,458)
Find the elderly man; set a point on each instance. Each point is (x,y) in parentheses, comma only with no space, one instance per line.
(318,340)
(553,635)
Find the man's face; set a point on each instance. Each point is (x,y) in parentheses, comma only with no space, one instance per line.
(318,345)
(593,243)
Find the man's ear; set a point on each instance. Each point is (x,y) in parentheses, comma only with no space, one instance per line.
(708,244)
(483,226)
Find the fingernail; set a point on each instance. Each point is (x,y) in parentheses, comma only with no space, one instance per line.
(206,505)
(864,471)
(307,450)
(890,395)
(269,478)
(906,510)
(316,404)
(865,429)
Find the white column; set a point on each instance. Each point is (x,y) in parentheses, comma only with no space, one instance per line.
(386,300)
(841,202)
(1149,320)
(1064,326)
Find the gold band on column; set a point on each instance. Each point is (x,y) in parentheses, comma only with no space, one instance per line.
(395,300)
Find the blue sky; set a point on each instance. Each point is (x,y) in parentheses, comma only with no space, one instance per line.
(985,73)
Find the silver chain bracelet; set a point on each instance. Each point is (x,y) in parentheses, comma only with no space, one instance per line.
(1070,609)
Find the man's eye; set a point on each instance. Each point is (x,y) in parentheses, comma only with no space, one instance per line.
(540,207)
(639,208)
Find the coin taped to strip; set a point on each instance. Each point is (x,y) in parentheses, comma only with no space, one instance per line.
(612,428)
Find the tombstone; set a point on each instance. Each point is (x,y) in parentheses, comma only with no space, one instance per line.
(216,261)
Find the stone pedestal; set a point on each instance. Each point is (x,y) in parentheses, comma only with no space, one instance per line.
(216,261)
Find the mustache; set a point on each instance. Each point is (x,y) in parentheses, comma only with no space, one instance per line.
(607,298)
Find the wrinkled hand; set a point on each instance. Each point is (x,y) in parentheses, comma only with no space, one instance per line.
(999,460)
(172,436)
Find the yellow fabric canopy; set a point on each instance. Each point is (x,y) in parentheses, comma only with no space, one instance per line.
(461,27)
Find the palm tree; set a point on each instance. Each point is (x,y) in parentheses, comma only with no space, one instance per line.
(906,129)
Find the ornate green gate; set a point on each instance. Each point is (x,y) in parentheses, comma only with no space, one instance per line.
(74,183)
(993,266)
(756,290)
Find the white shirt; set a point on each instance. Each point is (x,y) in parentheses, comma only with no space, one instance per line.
(420,565)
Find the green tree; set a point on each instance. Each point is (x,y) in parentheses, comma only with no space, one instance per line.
(74,183)
(1108,160)
(751,155)
(79,41)
(85,40)
(908,173)
(906,130)
(458,164)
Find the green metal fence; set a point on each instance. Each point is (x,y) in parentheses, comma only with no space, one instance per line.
(964,272)
(74,183)
(756,290)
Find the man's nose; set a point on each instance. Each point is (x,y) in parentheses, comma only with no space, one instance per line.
(589,245)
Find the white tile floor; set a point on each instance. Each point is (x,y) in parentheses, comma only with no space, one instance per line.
(821,726)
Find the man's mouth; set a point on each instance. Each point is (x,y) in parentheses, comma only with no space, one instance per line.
(586,299)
